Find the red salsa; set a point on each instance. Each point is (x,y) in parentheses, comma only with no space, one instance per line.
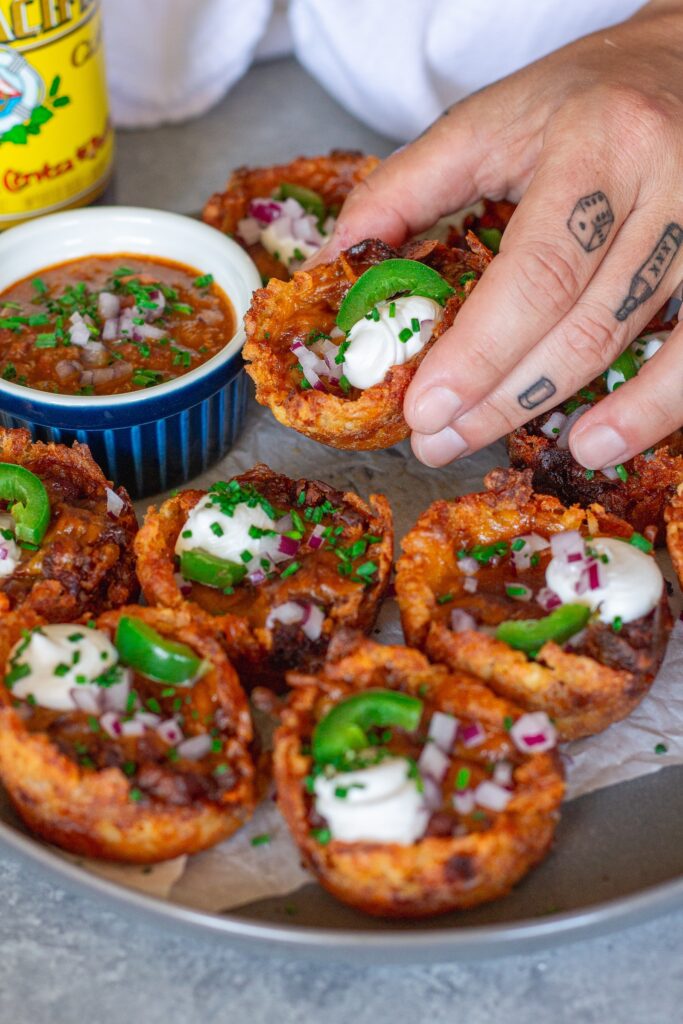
(106,325)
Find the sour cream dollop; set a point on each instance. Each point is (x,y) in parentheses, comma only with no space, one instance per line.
(60,658)
(631,581)
(222,535)
(379,804)
(375,345)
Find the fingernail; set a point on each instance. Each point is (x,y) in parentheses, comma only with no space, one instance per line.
(434,410)
(437,450)
(600,446)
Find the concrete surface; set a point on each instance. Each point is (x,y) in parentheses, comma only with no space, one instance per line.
(66,959)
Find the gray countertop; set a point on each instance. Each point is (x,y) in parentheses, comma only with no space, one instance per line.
(66,958)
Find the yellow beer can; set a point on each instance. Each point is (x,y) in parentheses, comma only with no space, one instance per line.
(56,139)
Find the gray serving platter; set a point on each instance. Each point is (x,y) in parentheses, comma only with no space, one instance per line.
(618,860)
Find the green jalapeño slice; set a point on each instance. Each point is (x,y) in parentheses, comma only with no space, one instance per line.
(154,655)
(345,727)
(201,567)
(30,504)
(386,279)
(529,635)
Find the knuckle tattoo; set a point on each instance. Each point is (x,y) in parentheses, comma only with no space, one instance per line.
(591,221)
(539,392)
(649,274)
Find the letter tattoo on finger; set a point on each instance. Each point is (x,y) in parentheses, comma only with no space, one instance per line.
(591,221)
(537,394)
(648,277)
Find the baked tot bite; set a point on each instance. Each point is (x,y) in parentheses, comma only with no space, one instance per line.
(488,225)
(674,532)
(638,490)
(283,214)
(333,351)
(127,737)
(561,610)
(66,536)
(278,565)
(411,789)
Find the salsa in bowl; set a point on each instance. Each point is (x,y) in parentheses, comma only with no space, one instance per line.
(91,289)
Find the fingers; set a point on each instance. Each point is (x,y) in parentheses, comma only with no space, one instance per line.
(557,238)
(641,412)
(582,345)
(469,152)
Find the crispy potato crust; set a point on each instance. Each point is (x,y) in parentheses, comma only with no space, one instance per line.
(282,313)
(332,177)
(85,562)
(583,692)
(674,531)
(262,654)
(90,812)
(438,873)
(640,500)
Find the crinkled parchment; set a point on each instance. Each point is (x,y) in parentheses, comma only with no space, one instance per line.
(235,872)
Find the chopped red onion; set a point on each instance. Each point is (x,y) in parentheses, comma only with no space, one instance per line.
(316,539)
(289,613)
(256,577)
(610,472)
(284,524)
(472,735)
(492,796)
(502,774)
(86,698)
(115,698)
(533,543)
(533,733)
(442,730)
(115,504)
(249,230)
(148,719)
(468,566)
(462,620)
(288,546)
(95,354)
(110,329)
(79,334)
(182,584)
(432,793)
(67,368)
(433,762)
(464,801)
(108,305)
(170,732)
(312,624)
(548,599)
(563,437)
(132,728)
(111,724)
(470,585)
(553,425)
(195,747)
(149,331)
(590,578)
(569,542)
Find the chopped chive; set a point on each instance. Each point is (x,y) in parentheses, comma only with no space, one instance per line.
(261,840)
(405,335)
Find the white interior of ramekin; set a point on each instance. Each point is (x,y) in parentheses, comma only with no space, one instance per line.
(111,230)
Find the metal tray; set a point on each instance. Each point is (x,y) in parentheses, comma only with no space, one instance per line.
(618,861)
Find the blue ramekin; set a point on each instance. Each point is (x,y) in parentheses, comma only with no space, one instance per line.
(161,437)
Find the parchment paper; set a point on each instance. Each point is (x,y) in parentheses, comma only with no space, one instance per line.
(235,872)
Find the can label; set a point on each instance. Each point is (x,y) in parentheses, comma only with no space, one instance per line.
(56,140)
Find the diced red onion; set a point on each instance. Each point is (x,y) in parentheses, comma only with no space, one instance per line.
(563,437)
(569,542)
(110,329)
(160,299)
(470,585)
(249,230)
(312,624)
(115,698)
(464,801)
(433,762)
(148,719)
(67,368)
(502,774)
(468,566)
(553,425)
(265,210)
(432,792)
(492,796)
(148,331)
(442,730)
(284,523)
(316,538)
(79,334)
(108,305)
(256,577)
(289,613)
(577,639)
(95,354)
(115,504)
(288,546)
(182,584)
(461,620)
(610,472)
(111,724)
(132,728)
(533,733)
(472,735)
(170,732)
(195,747)
(548,599)
(86,698)
(533,543)
(590,578)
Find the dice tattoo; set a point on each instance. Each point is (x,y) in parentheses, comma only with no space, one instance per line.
(591,221)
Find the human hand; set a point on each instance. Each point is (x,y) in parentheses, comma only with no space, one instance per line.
(590,141)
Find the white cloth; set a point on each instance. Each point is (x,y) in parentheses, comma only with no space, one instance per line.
(394,64)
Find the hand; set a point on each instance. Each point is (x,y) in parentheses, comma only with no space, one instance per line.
(589,140)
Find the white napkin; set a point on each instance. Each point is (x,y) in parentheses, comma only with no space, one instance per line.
(395,64)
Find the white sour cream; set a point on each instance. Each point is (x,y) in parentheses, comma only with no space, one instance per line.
(286,247)
(221,535)
(61,658)
(381,804)
(374,345)
(631,581)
